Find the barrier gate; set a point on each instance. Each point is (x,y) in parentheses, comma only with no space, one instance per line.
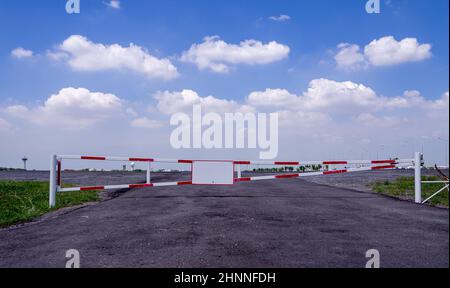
(223,172)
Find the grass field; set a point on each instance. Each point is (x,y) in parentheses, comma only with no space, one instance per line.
(23,201)
(404,187)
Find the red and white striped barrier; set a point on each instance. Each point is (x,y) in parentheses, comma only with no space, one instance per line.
(56,168)
(238,162)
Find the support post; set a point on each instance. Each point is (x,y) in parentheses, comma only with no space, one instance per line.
(52,181)
(418,177)
(238,169)
(149,167)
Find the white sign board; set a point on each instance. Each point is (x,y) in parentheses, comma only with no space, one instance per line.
(212,173)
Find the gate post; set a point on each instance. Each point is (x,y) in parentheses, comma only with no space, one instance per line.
(418,177)
(52,181)
(149,167)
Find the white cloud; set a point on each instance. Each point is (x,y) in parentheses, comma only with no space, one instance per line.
(17,110)
(322,94)
(182,101)
(350,57)
(147,123)
(21,53)
(326,99)
(71,108)
(385,51)
(70,98)
(388,51)
(371,120)
(272,98)
(303,119)
(349,115)
(217,55)
(414,99)
(280,18)
(115,4)
(83,55)
(439,104)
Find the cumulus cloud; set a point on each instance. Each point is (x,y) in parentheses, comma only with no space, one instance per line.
(325,99)
(272,98)
(385,51)
(350,57)
(324,93)
(440,104)
(84,55)
(321,94)
(324,102)
(388,51)
(182,101)
(280,18)
(21,53)
(327,112)
(217,55)
(147,123)
(71,108)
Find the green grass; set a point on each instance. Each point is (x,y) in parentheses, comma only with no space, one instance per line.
(404,187)
(24,201)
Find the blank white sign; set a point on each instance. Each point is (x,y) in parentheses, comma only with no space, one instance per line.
(213,172)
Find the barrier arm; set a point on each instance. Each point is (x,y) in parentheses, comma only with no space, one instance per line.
(56,161)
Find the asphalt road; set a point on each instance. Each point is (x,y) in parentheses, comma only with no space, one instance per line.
(275,223)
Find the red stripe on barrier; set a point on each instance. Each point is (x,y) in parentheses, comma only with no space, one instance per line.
(383,162)
(140,185)
(92,158)
(58,181)
(243,179)
(334,162)
(242,162)
(286,163)
(141,159)
(383,167)
(286,176)
(334,172)
(92,188)
(184,183)
(185,161)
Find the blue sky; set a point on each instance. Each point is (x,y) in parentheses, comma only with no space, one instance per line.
(167,29)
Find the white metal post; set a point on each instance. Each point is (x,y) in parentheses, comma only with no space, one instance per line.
(418,177)
(238,168)
(52,181)
(149,167)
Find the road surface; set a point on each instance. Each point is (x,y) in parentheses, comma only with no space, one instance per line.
(275,223)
